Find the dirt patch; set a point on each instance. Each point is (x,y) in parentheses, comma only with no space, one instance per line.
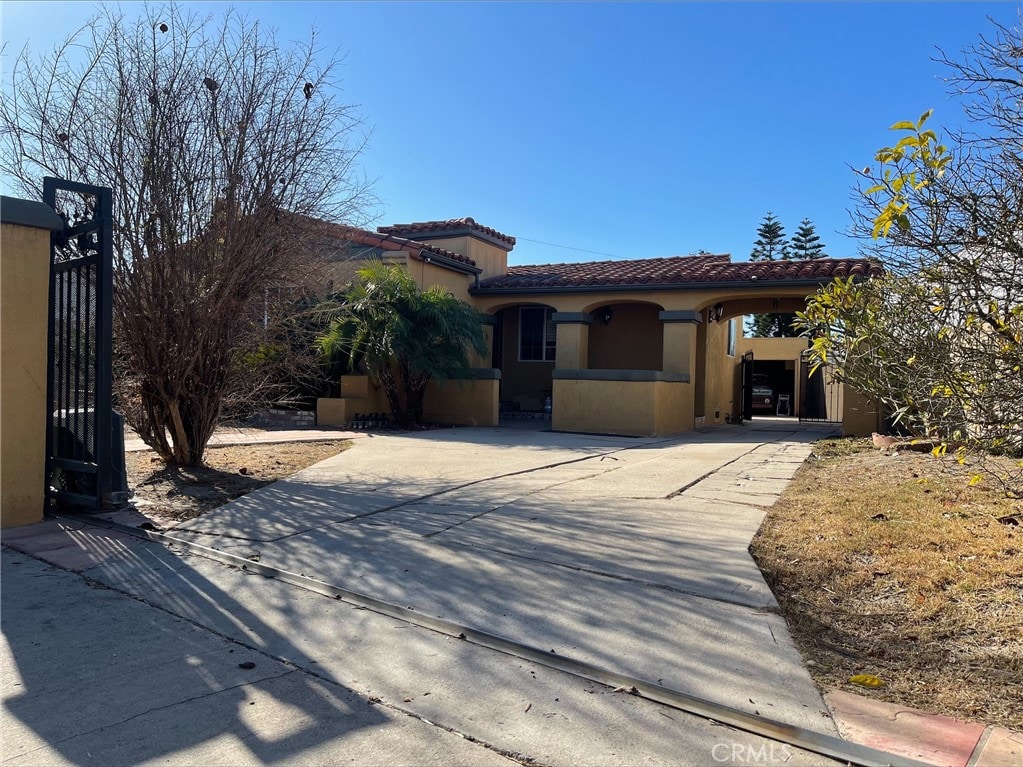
(894,565)
(172,494)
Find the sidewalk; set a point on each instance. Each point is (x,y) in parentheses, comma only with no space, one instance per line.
(92,677)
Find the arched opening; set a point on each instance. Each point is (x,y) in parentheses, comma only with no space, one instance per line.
(775,384)
(525,344)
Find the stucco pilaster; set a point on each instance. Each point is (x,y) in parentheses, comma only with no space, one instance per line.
(489,322)
(24,301)
(679,354)
(573,349)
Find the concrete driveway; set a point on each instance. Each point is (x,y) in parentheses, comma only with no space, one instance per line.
(627,553)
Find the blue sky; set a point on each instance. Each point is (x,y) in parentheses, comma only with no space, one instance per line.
(629,129)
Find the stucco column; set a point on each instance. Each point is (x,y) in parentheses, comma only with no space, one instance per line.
(679,355)
(486,360)
(573,349)
(24,311)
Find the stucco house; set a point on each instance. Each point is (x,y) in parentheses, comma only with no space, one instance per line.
(634,347)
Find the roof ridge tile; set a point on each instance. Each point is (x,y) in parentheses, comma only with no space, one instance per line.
(451,223)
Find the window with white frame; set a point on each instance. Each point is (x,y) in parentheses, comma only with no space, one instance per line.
(537,334)
(731,337)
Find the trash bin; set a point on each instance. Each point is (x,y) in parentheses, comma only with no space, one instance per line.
(783,405)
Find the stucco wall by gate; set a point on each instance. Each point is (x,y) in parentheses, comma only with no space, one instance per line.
(24,301)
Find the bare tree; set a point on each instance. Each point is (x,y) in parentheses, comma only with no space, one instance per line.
(212,136)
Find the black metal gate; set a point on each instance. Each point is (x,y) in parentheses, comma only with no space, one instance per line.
(746,388)
(821,400)
(79,434)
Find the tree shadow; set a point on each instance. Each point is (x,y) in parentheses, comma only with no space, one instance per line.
(104,679)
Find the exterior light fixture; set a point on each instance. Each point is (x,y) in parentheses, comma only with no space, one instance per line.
(606,315)
(716,312)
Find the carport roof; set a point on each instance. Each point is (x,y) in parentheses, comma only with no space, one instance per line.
(672,272)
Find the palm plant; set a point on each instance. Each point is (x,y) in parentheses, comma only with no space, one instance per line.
(403,336)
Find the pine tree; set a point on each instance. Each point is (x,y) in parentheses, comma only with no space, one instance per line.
(771,244)
(805,242)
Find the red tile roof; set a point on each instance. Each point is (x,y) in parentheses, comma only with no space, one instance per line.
(676,270)
(423,227)
(388,242)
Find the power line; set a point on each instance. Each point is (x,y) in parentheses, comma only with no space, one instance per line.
(569,247)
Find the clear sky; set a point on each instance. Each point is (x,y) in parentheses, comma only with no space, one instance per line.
(630,129)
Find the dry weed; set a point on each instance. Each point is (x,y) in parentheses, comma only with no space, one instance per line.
(892,564)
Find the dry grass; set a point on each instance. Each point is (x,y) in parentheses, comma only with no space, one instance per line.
(170,494)
(893,565)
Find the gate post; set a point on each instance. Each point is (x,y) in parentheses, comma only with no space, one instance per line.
(25,228)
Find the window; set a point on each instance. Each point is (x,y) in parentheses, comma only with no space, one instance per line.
(537,334)
(731,337)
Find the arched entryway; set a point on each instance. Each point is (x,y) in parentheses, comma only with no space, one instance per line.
(525,346)
(777,385)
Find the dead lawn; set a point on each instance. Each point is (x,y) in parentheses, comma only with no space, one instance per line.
(892,565)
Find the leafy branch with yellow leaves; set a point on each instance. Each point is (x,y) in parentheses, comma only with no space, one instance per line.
(938,341)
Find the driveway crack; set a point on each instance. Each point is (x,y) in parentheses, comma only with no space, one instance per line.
(165,707)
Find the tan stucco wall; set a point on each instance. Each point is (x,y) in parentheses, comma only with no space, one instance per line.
(860,416)
(573,345)
(430,275)
(337,274)
(679,355)
(721,372)
(699,372)
(673,403)
(358,395)
(748,299)
(24,265)
(472,402)
(468,403)
(522,382)
(773,348)
(631,408)
(633,340)
(490,258)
